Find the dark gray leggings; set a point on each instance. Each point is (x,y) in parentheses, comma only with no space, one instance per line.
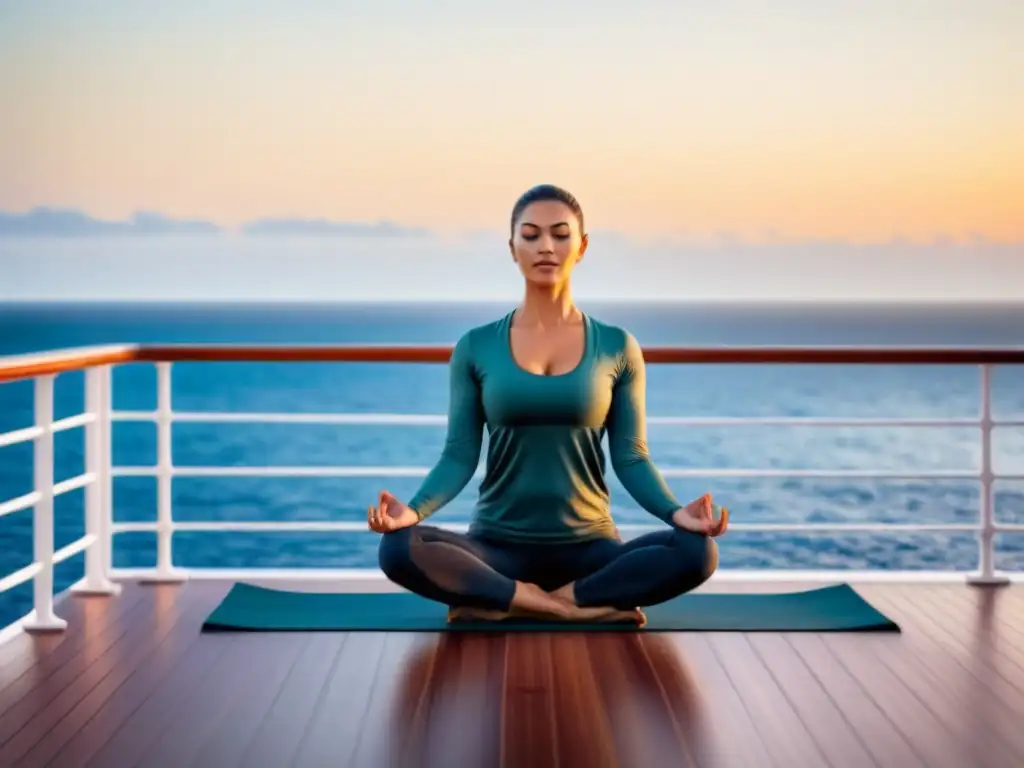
(460,569)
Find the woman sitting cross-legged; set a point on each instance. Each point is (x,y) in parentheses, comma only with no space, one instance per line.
(548,382)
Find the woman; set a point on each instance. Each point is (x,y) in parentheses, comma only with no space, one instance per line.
(548,381)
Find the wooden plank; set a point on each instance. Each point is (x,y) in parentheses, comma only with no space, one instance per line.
(86,615)
(36,713)
(529,737)
(196,721)
(122,732)
(335,725)
(773,716)
(280,734)
(973,689)
(150,689)
(901,675)
(583,720)
(392,703)
(92,621)
(841,745)
(83,729)
(730,736)
(236,729)
(887,745)
(641,723)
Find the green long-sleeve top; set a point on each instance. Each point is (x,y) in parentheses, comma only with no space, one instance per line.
(545,471)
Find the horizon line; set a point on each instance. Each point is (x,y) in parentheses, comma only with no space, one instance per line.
(463,302)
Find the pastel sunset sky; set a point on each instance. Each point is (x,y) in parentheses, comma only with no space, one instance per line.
(764,122)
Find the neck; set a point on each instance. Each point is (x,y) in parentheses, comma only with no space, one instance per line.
(547,305)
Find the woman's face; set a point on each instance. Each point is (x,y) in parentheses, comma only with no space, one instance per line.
(547,243)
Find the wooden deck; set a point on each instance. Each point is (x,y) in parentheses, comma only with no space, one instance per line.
(134,683)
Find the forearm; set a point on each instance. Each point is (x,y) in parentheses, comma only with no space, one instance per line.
(445,481)
(645,484)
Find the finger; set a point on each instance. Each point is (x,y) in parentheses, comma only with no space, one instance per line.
(722,523)
(695,524)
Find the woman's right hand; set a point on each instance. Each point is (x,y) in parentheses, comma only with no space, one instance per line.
(390,515)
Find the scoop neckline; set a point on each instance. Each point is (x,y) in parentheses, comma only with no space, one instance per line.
(570,372)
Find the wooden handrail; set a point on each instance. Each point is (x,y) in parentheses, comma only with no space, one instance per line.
(339,353)
(16,367)
(27,366)
(361,353)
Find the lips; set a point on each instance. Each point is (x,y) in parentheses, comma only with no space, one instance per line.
(545,264)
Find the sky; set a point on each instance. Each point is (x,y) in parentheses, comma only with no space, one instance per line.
(839,138)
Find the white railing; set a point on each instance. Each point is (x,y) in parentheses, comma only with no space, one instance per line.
(95,480)
(102,578)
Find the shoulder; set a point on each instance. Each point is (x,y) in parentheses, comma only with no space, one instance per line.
(614,340)
(485,333)
(475,341)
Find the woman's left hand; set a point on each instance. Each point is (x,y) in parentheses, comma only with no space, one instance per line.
(698,516)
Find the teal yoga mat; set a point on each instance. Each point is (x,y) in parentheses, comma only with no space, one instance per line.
(828,609)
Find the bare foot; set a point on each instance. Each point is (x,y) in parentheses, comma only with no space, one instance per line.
(467,613)
(598,614)
(634,615)
(531,599)
(566,594)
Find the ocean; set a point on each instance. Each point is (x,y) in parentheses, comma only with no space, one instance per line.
(673,390)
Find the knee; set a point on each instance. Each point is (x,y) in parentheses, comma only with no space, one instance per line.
(697,553)
(393,553)
(710,557)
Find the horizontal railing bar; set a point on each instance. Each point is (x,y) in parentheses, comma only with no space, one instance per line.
(15,367)
(31,433)
(73,483)
(72,549)
(381,471)
(54,362)
(324,526)
(30,499)
(19,577)
(20,503)
(71,422)
(20,436)
(406,353)
(421,419)
(400,419)
(358,579)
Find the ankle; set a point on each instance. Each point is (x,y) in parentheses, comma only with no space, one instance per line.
(566,594)
(525,592)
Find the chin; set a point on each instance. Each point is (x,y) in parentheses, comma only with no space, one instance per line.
(546,281)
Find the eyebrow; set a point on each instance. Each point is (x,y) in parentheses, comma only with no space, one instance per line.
(537,226)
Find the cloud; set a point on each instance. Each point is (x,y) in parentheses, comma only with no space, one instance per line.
(327,228)
(68,222)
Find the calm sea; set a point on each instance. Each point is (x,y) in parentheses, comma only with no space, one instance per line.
(676,390)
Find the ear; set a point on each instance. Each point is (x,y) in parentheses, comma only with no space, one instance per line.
(512,249)
(584,242)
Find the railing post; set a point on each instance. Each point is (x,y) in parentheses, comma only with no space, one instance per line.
(97,507)
(165,570)
(986,575)
(42,618)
